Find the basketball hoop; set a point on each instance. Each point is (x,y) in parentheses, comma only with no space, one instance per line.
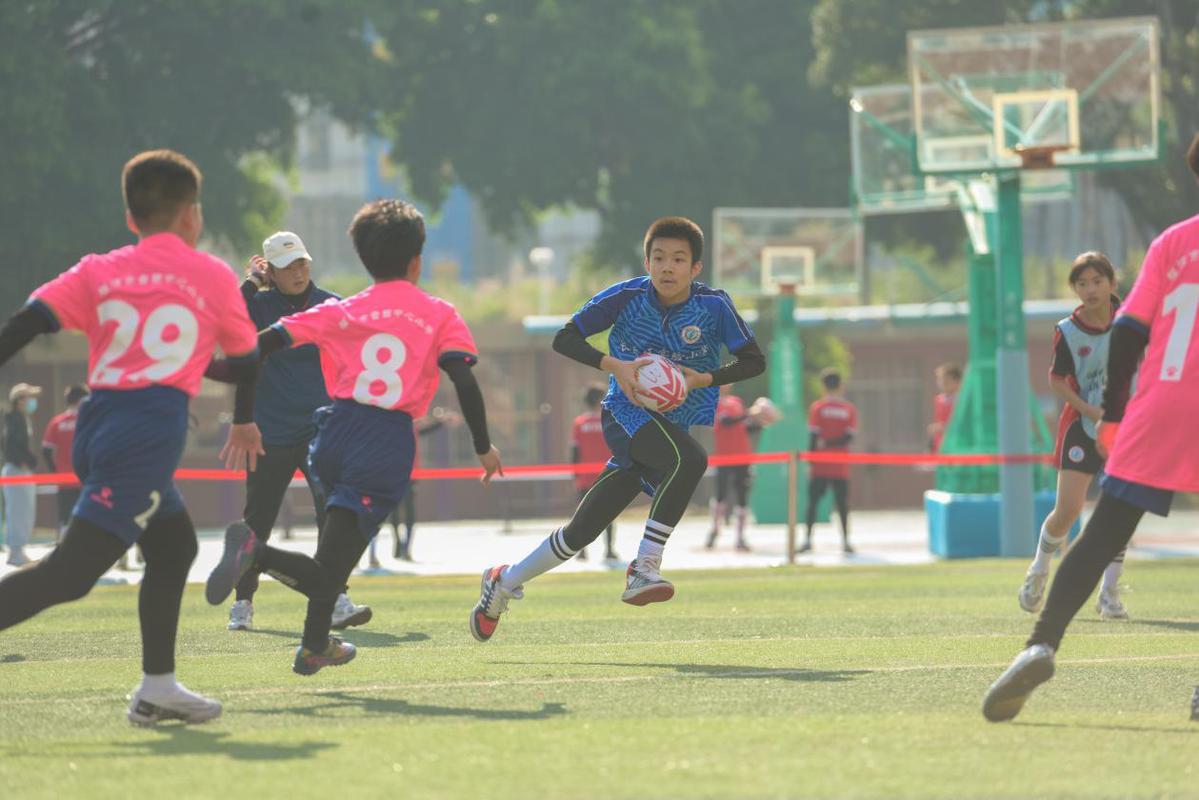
(1039,156)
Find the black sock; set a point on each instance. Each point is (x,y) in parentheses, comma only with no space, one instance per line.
(338,552)
(1107,533)
(169,547)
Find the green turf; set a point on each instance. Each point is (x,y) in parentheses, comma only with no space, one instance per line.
(770,683)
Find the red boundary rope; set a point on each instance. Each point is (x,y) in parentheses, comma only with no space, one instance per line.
(467,473)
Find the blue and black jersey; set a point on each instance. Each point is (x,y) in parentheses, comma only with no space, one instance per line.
(290,384)
(691,333)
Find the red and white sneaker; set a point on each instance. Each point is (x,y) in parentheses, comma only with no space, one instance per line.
(493,601)
(643,584)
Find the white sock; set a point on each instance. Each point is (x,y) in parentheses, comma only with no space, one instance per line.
(717,516)
(1046,547)
(159,684)
(547,555)
(1111,575)
(649,549)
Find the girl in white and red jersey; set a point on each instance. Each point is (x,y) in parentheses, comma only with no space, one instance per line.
(1077,375)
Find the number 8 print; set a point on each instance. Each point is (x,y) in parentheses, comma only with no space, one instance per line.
(382,357)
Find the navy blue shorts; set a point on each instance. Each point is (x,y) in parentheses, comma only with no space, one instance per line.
(127,447)
(619,441)
(1150,498)
(362,457)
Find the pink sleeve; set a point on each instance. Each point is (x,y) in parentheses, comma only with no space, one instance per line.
(455,337)
(49,439)
(69,297)
(236,335)
(309,326)
(1145,298)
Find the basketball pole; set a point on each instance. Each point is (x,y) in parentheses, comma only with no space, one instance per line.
(1016,534)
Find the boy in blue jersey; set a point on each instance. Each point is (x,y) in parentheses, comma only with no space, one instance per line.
(667,312)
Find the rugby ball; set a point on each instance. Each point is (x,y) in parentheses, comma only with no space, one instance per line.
(766,412)
(661,384)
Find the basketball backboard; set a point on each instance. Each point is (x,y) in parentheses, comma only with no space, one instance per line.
(819,250)
(883,153)
(1089,88)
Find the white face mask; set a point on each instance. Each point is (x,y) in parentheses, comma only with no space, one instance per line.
(30,405)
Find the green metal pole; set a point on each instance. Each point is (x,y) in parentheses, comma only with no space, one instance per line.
(1016,534)
(770,489)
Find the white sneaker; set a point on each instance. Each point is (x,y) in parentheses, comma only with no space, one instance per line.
(17,558)
(1032,593)
(348,615)
(241,616)
(1109,605)
(147,708)
(644,584)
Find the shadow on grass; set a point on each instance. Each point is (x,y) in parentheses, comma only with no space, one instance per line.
(178,739)
(1193,730)
(1188,625)
(724,671)
(11,658)
(373,704)
(363,638)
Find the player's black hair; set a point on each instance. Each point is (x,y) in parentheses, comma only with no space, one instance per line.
(1092,259)
(1193,155)
(157,185)
(676,228)
(593,396)
(387,235)
(75,393)
(950,370)
(830,379)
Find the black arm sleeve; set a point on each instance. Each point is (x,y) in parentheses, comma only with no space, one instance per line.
(571,343)
(48,454)
(1063,359)
(1127,344)
(470,399)
(22,328)
(249,290)
(749,362)
(813,441)
(227,370)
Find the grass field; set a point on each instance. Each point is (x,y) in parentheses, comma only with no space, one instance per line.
(855,682)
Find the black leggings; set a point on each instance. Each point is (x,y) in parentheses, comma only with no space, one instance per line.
(322,576)
(266,488)
(817,486)
(1107,533)
(667,457)
(86,552)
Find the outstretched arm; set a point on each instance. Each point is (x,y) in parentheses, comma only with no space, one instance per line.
(23,327)
(474,411)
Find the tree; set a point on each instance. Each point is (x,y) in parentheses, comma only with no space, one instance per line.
(88,83)
(632,108)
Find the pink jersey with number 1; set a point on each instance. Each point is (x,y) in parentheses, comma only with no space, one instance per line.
(152,312)
(381,346)
(1156,444)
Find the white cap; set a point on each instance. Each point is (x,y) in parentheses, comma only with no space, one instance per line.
(282,248)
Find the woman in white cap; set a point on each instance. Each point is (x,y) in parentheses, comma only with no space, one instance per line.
(20,501)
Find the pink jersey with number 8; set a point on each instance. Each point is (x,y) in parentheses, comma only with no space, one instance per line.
(1155,445)
(381,347)
(152,312)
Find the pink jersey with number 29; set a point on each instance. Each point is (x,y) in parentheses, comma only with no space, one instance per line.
(381,346)
(1155,445)
(152,312)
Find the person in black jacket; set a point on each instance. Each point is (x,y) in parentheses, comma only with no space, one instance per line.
(20,501)
(290,389)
